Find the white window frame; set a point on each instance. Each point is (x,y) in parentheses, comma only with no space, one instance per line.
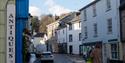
(108,5)
(116,51)
(95,29)
(70,38)
(80,36)
(94,10)
(109,26)
(85,14)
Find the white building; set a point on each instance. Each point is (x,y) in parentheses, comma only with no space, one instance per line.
(100,24)
(74,35)
(51,41)
(39,42)
(62,39)
(70,33)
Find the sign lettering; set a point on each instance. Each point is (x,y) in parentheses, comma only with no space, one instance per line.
(10,33)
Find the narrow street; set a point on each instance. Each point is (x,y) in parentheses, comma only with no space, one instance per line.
(58,58)
(61,58)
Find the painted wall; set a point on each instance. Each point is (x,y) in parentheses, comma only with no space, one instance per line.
(101,20)
(75,33)
(62,38)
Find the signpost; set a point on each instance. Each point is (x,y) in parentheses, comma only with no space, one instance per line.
(10,33)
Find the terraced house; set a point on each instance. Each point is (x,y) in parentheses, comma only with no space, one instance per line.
(69,34)
(101,25)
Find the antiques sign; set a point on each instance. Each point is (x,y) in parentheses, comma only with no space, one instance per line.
(10,33)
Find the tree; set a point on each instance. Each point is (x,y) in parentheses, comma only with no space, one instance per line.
(45,20)
(35,23)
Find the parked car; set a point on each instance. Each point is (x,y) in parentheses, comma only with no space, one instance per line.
(47,57)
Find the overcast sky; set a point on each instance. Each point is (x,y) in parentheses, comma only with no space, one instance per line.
(39,7)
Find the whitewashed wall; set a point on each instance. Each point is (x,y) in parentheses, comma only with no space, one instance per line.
(62,36)
(101,20)
(75,33)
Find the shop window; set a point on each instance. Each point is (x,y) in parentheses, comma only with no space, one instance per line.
(114,51)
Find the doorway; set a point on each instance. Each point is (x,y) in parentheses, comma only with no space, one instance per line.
(70,49)
(80,49)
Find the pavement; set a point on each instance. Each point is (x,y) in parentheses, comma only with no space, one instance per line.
(76,58)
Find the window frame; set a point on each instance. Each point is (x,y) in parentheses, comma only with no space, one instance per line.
(70,38)
(63,31)
(85,14)
(94,10)
(80,24)
(95,29)
(109,26)
(114,50)
(70,26)
(80,36)
(86,33)
(108,5)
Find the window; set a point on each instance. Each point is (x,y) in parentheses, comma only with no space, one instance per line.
(80,36)
(109,26)
(95,30)
(59,32)
(52,32)
(86,34)
(108,3)
(85,15)
(80,24)
(63,31)
(94,10)
(70,38)
(70,26)
(63,40)
(114,51)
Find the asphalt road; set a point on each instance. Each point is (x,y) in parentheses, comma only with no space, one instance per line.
(58,58)
(61,58)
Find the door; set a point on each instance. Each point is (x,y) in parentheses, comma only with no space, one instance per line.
(80,49)
(70,49)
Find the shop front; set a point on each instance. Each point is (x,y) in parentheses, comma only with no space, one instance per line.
(115,55)
(88,49)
